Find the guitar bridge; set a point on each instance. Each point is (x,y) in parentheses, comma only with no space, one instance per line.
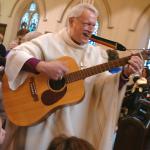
(33,90)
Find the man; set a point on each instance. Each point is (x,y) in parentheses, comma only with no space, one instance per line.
(93,119)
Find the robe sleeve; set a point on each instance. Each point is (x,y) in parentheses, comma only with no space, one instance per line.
(30,65)
(18,56)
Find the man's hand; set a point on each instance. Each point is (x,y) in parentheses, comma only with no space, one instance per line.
(135,66)
(54,69)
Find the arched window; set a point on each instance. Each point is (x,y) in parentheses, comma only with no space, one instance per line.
(95,32)
(30,19)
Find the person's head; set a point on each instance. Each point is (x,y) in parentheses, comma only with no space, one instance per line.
(81,22)
(145,72)
(31,35)
(69,143)
(20,34)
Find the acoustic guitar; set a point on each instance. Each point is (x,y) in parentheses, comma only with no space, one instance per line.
(39,96)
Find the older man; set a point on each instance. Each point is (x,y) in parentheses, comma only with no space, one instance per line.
(93,119)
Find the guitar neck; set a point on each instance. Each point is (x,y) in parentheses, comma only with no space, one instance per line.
(84,73)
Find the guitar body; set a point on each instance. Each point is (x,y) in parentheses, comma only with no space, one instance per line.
(34,100)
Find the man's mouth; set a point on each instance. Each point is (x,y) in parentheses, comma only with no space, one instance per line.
(88,35)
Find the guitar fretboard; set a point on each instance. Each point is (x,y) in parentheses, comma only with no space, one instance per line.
(84,73)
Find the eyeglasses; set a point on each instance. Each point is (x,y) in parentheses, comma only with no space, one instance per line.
(86,24)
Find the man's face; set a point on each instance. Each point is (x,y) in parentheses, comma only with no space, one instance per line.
(82,27)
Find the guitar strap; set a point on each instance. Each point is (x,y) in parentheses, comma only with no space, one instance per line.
(109,43)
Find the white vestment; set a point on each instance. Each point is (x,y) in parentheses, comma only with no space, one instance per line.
(94,119)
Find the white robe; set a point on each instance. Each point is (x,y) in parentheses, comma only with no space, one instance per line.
(95,118)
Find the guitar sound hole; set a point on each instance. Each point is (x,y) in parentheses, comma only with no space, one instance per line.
(57,84)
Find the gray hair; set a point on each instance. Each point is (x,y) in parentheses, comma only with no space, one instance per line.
(77,10)
(31,35)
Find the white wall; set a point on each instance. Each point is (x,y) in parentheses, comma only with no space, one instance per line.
(127,22)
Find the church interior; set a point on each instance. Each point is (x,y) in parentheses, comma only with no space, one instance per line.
(122,26)
(122,21)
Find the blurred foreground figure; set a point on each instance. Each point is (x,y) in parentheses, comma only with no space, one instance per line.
(71,143)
